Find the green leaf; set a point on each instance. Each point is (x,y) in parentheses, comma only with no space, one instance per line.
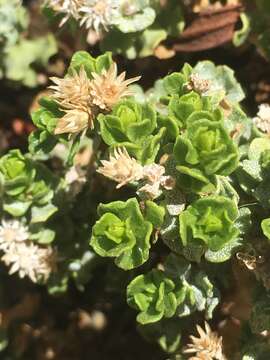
(16,208)
(204,150)
(209,221)
(42,213)
(173,83)
(143,18)
(257,147)
(104,62)
(154,214)
(43,236)
(82,59)
(123,233)
(21,56)
(153,295)
(266,227)
(222,80)
(241,35)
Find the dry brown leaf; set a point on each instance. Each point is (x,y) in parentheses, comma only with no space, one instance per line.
(211,28)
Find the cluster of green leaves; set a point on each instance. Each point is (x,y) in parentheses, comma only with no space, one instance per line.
(172,245)
(27,185)
(178,291)
(18,53)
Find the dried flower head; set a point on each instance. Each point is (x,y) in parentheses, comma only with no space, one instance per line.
(73,95)
(31,260)
(107,88)
(12,231)
(206,347)
(121,168)
(155,179)
(70,8)
(99,15)
(198,84)
(262,120)
(73,91)
(73,122)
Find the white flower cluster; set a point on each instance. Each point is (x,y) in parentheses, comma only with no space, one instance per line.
(22,255)
(124,169)
(97,15)
(262,120)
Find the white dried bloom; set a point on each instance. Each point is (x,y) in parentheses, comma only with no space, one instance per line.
(155,179)
(73,122)
(208,346)
(73,95)
(99,14)
(70,8)
(262,120)
(12,231)
(72,91)
(121,168)
(153,172)
(107,88)
(151,191)
(198,84)
(31,260)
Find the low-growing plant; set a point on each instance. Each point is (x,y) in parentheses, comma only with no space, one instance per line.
(195,169)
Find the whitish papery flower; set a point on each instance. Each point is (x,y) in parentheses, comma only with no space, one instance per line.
(30,260)
(107,88)
(73,95)
(72,91)
(208,346)
(12,231)
(99,14)
(121,168)
(70,8)
(262,120)
(73,122)
(198,84)
(155,179)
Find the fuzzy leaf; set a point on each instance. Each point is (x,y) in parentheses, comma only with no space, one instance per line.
(210,223)
(122,232)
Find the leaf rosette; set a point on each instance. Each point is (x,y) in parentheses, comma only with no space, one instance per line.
(208,227)
(153,295)
(133,126)
(123,233)
(203,151)
(27,183)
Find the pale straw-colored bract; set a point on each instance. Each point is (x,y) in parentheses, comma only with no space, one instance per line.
(69,8)
(72,91)
(108,88)
(262,120)
(208,346)
(73,95)
(121,168)
(99,15)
